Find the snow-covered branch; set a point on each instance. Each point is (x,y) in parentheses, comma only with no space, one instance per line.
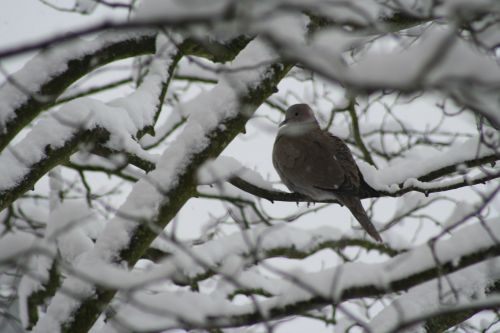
(438,306)
(296,292)
(38,84)
(42,80)
(86,121)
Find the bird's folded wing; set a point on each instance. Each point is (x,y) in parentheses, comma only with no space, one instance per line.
(344,157)
(309,161)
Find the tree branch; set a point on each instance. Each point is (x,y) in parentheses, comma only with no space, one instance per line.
(83,62)
(448,316)
(339,284)
(93,90)
(365,191)
(76,66)
(357,134)
(57,84)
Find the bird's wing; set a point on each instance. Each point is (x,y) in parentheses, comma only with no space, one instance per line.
(344,157)
(284,158)
(308,161)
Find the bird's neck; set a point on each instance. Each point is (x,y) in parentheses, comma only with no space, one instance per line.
(298,129)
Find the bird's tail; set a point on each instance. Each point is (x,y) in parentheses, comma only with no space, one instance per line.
(356,208)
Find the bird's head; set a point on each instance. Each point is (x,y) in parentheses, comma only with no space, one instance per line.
(300,115)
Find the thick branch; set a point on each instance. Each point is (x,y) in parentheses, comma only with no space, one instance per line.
(51,158)
(77,66)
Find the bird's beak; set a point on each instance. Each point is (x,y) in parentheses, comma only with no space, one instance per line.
(282,123)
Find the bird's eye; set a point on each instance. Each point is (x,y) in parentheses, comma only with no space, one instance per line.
(296,113)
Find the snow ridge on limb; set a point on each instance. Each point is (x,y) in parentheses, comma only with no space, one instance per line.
(39,83)
(431,298)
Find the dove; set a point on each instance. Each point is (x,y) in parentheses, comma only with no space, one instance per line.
(315,163)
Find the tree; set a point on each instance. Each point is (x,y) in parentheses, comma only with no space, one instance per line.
(86,252)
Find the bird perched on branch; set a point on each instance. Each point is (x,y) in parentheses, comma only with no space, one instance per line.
(317,164)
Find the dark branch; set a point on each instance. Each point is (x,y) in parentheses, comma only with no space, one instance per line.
(76,68)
